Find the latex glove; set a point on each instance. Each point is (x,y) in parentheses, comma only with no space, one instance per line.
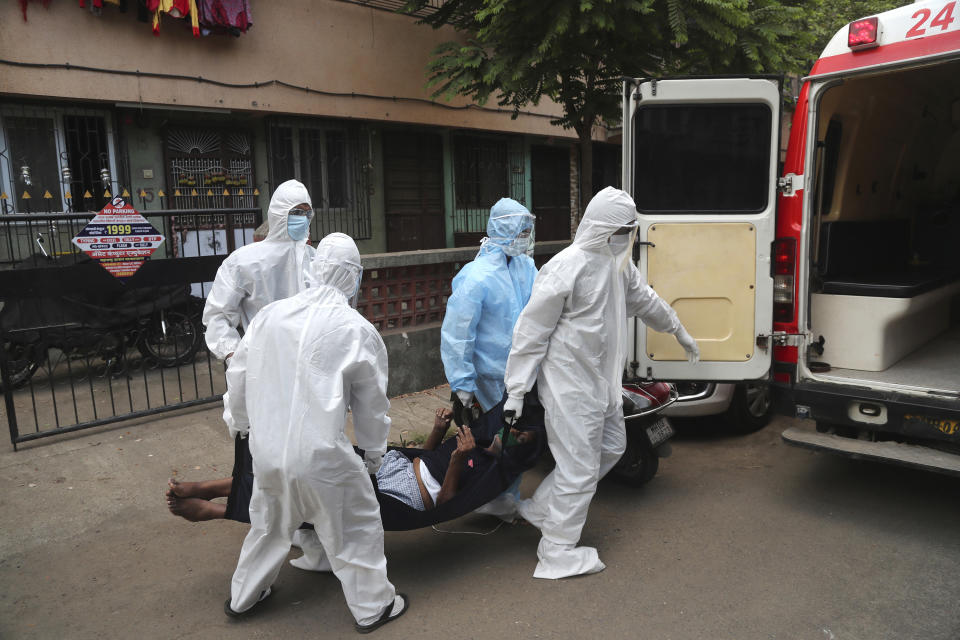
(466,398)
(512,409)
(372,461)
(689,345)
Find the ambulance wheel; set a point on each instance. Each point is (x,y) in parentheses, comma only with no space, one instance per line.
(638,464)
(750,409)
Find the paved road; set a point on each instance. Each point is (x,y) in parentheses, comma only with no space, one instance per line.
(736,537)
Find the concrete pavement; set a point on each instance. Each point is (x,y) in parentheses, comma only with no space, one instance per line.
(736,537)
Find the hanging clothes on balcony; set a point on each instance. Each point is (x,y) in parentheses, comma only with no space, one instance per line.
(225,16)
(175,9)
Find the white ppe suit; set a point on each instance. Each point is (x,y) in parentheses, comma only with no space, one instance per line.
(303,363)
(257,274)
(573,332)
(488,295)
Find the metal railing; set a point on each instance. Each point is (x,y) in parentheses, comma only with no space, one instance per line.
(82,349)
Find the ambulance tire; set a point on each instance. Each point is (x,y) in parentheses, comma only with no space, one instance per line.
(750,409)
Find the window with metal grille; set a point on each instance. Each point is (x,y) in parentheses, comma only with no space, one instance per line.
(485,169)
(429,7)
(332,161)
(210,169)
(55,159)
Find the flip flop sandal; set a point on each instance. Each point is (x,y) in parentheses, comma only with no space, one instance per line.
(385,617)
(243,614)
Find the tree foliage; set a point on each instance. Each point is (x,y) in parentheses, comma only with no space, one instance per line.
(576,51)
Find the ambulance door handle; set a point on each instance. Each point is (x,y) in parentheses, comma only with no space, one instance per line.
(649,244)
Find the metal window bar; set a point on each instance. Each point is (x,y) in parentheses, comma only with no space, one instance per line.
(395,5)
(333,162)
(55,155)
(484,170)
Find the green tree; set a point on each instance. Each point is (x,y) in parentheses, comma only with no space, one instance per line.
(575,51)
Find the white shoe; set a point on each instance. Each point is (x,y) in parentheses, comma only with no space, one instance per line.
(527,510)
(563,561)
(314,558)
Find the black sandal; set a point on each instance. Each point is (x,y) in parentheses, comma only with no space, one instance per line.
(384,618)
(266,593)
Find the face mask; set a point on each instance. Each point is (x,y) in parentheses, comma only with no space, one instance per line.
(618,244)
(517,247)
(298,227)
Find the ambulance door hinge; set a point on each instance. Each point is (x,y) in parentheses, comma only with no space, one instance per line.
(789,184)
(779,339)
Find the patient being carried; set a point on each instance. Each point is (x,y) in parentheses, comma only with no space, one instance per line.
(433,477)
(436,475)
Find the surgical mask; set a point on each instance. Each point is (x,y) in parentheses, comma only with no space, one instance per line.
(518,246)
(620,243)
(620,246)
(298,227)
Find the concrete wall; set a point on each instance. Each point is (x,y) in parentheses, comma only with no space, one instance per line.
(414,358)
(325,45)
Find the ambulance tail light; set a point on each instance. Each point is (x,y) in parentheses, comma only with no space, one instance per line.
(784,272)
(863,33)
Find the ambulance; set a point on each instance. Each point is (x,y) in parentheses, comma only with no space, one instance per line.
(836,276)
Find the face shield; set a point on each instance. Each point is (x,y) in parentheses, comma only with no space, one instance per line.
(621,244)
(521,244)
(512,232)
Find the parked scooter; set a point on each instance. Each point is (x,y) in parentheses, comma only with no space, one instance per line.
(161,322)
(648,433)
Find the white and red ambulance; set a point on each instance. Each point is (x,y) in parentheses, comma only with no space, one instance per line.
(836,277)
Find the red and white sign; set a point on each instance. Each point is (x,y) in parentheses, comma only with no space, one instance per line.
(119,238)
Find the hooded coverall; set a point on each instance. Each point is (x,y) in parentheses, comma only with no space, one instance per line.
(571,340)
(305,362)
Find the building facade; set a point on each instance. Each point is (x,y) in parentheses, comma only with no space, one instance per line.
(330,92)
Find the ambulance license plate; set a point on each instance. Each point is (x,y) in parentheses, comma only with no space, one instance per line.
(659,432)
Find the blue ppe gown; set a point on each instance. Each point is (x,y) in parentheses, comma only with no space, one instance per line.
(488,296)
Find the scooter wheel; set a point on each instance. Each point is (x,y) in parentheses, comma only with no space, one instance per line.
(638,464)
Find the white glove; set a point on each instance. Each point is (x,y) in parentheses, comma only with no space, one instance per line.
(372,461)
(689,345)
(514,405)
(466,398)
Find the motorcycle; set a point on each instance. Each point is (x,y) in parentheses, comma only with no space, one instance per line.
(161,322)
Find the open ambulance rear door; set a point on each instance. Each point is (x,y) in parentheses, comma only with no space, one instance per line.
(700,160)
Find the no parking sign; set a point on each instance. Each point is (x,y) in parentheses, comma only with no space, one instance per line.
(119,238)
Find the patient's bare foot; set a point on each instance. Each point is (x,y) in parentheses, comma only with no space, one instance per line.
(196,509)
(206,490)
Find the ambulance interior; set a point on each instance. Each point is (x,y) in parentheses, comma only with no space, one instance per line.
(884,288)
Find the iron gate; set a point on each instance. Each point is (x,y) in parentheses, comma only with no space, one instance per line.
(82,349)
